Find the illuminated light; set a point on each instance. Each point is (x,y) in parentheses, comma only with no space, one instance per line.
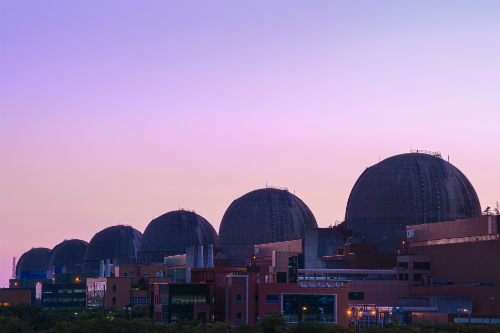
(15,284)
(77,279)
(348,312)
(38,283)
(360,313)
(304,308)
(373,312)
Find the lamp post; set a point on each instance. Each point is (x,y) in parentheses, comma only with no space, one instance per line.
(303,314)
(458,320)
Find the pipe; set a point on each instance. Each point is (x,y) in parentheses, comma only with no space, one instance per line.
(210,255)
(200,255)
(101,268)
(108,262)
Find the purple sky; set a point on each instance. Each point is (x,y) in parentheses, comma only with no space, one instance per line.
(120,111)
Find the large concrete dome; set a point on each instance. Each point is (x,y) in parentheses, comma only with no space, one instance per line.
(405,190)
(69,254)
(33,261)
(118,243)
(263,216)
(171,233)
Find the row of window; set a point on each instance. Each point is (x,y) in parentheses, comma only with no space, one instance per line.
(63,300)
(139,300)
(64,291)
(416,265)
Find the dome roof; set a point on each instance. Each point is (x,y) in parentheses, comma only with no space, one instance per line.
(118,243)
(69,253)
(33,261)
(263,216)
(172,232)
(404,190)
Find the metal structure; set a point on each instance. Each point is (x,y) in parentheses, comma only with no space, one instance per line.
(263,216)
(13,275)
(407,189)
(171,233)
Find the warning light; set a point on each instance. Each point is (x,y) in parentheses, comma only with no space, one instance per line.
(15,284)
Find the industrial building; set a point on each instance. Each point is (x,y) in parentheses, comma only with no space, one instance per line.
(414,246)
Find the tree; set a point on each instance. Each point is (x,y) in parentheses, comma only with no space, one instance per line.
(273,323)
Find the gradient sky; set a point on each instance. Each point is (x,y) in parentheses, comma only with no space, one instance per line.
(120,111)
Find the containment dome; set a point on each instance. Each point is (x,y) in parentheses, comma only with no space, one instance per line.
(171,233)
(263,216)
(118,243)
(68,255)
(405,190)
(33,261)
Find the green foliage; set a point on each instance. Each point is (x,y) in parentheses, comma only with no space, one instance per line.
(273,324)
(12,325)
(13,319)
(246,328)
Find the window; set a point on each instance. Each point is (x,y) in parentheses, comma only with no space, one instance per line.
(356,296)
(114,300)
(212,318)
(406,276)
(417,277)
(267,278)
(271,298)
(422,265)
(258,278)
(125,274)
(238,298)
(318,308)
(238,316)
(403,264)
(256,298)
(400,276)
(281,278)
(114,288)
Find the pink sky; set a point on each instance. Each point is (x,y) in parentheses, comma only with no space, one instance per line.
(120,111)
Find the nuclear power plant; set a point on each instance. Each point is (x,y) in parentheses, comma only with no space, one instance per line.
(395,256)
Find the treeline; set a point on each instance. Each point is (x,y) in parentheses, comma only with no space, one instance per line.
(30,318)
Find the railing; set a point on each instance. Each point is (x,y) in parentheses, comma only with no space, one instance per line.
(428,152)
(277,187)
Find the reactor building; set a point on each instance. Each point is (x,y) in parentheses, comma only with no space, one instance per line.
(404,190)
(68,255)
(171,233)
(32,262)
(267,215)
(118,243)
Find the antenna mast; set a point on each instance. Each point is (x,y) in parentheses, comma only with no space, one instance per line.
(14,268)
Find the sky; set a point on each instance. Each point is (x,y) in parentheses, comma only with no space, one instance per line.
(120,111)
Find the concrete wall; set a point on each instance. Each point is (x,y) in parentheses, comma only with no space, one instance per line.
(15,296)
(321,242)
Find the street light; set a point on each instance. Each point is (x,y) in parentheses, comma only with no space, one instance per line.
(303,313)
